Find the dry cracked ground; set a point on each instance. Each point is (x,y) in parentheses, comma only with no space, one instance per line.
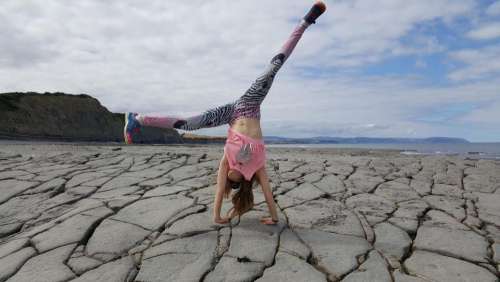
(143,213)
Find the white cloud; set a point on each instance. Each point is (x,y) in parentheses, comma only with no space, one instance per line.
(488,115)
(479,63)
(494,9)
(363,32)
(485,31)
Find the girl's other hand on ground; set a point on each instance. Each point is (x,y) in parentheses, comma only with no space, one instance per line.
(222,220)
(268,221)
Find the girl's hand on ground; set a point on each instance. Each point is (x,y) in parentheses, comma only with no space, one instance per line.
(268,221)
(222,220)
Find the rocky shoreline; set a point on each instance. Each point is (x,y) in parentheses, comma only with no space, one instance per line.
(73,212)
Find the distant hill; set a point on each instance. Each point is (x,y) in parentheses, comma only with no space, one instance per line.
(363,140)
(66,117)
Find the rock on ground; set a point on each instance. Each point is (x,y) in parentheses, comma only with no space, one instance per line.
(337,254)
(116,271)
(393,242)
(442,268)
(71,230)
(232,269)
(185,259)
(256,243)
(373,269)
(326,215)
(290,268)
(106,212)
(48,267)
(455,243)
(10,264)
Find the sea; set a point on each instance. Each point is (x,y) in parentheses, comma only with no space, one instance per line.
(469,150)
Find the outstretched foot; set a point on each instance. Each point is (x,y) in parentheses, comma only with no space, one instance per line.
(132,127)
(316,10)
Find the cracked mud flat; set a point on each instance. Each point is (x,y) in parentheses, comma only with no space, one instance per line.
(143,213)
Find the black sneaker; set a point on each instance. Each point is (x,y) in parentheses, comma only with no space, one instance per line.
(316,10)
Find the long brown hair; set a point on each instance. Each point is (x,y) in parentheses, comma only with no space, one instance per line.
(242,198)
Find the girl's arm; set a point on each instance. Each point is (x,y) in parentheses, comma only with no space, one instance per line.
(268,195)
(219,193)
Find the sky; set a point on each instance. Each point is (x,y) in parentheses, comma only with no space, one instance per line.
(386,68)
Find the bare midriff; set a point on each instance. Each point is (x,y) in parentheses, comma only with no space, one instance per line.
(248,126)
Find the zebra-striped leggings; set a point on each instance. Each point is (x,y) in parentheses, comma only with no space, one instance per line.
(247,106)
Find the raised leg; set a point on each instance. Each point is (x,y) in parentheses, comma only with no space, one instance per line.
(254,96)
